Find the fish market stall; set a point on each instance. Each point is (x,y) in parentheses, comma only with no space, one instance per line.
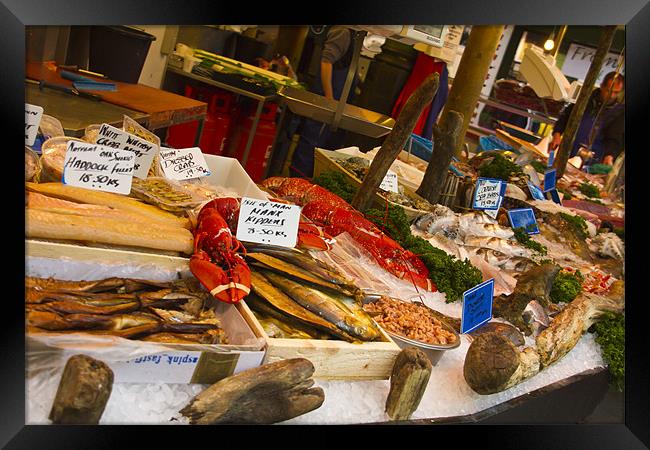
(178,287)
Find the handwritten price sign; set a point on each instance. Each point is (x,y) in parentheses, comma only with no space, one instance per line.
(33,116)
(100,168)
(183,164)
(266,222)
(144,151)
(389,183)
(489,193)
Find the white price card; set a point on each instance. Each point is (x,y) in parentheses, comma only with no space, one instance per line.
(183,163)
(489,193)
(100,168)
(389,183)
(33,115)
(144,150)
(267,222)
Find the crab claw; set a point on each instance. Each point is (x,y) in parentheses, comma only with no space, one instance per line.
(229,288)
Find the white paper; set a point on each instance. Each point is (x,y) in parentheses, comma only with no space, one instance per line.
(488,194)
(183,163)
(492,213)
(33,115)
(266,222)
(96,167)
(144,150)
(389,183)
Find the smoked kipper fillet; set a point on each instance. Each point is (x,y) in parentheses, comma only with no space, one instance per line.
(43,224)
(117,201)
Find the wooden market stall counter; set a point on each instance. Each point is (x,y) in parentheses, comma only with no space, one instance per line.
(162,108)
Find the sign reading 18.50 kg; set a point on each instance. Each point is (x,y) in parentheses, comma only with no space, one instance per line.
(93,166)
(266,222)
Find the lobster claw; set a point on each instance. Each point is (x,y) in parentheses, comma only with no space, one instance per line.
(227,288)
(312,237)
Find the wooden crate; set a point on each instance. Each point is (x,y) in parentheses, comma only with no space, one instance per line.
(332,359)
(325,161)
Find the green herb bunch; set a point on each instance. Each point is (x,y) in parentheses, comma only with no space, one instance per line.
(500,167)
(566,287)
(538,166)
(524,239)
(578,224)
(589,190)
(610,335)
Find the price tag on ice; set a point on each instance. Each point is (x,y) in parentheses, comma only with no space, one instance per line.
(523,218)
(551,158)
(489,193)
(555,196)
(389,183)
(549,179)
(183,163)
(33,116)
(93,166)
(144,150)
(536,192)
(477,306)
(266,222)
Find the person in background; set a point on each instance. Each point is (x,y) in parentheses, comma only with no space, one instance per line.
(335,59)
(604,128)
(279,64)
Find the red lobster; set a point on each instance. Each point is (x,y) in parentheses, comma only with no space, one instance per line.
(336,215)
(216,262)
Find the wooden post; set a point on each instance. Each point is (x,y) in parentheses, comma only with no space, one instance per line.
(83,392)
(470,76)
(408,382)
(395,140)
(444,145)
(569,135)
(267,394)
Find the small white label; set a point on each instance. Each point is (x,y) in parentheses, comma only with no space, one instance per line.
(492,213)
(266,222)
(144,150)
(183,163)
(93,166)
(389,183)
(33,115)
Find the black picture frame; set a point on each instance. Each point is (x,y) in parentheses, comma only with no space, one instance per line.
(16,14)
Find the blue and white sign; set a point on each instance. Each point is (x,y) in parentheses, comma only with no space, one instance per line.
(549,179)
(555,196)
(477,306)
(489,193)
(523,218)
(551,158)
(536,192)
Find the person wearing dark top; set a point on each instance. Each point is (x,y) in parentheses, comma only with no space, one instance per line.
(603,122)
(335,59)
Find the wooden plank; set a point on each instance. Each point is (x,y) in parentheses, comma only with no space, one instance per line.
(333,360)
(164,108)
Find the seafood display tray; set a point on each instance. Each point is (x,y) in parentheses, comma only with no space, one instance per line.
(137,361)
(355,119)
(326,160)
(333,360)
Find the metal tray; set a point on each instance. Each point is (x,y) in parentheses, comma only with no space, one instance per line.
(355,119)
